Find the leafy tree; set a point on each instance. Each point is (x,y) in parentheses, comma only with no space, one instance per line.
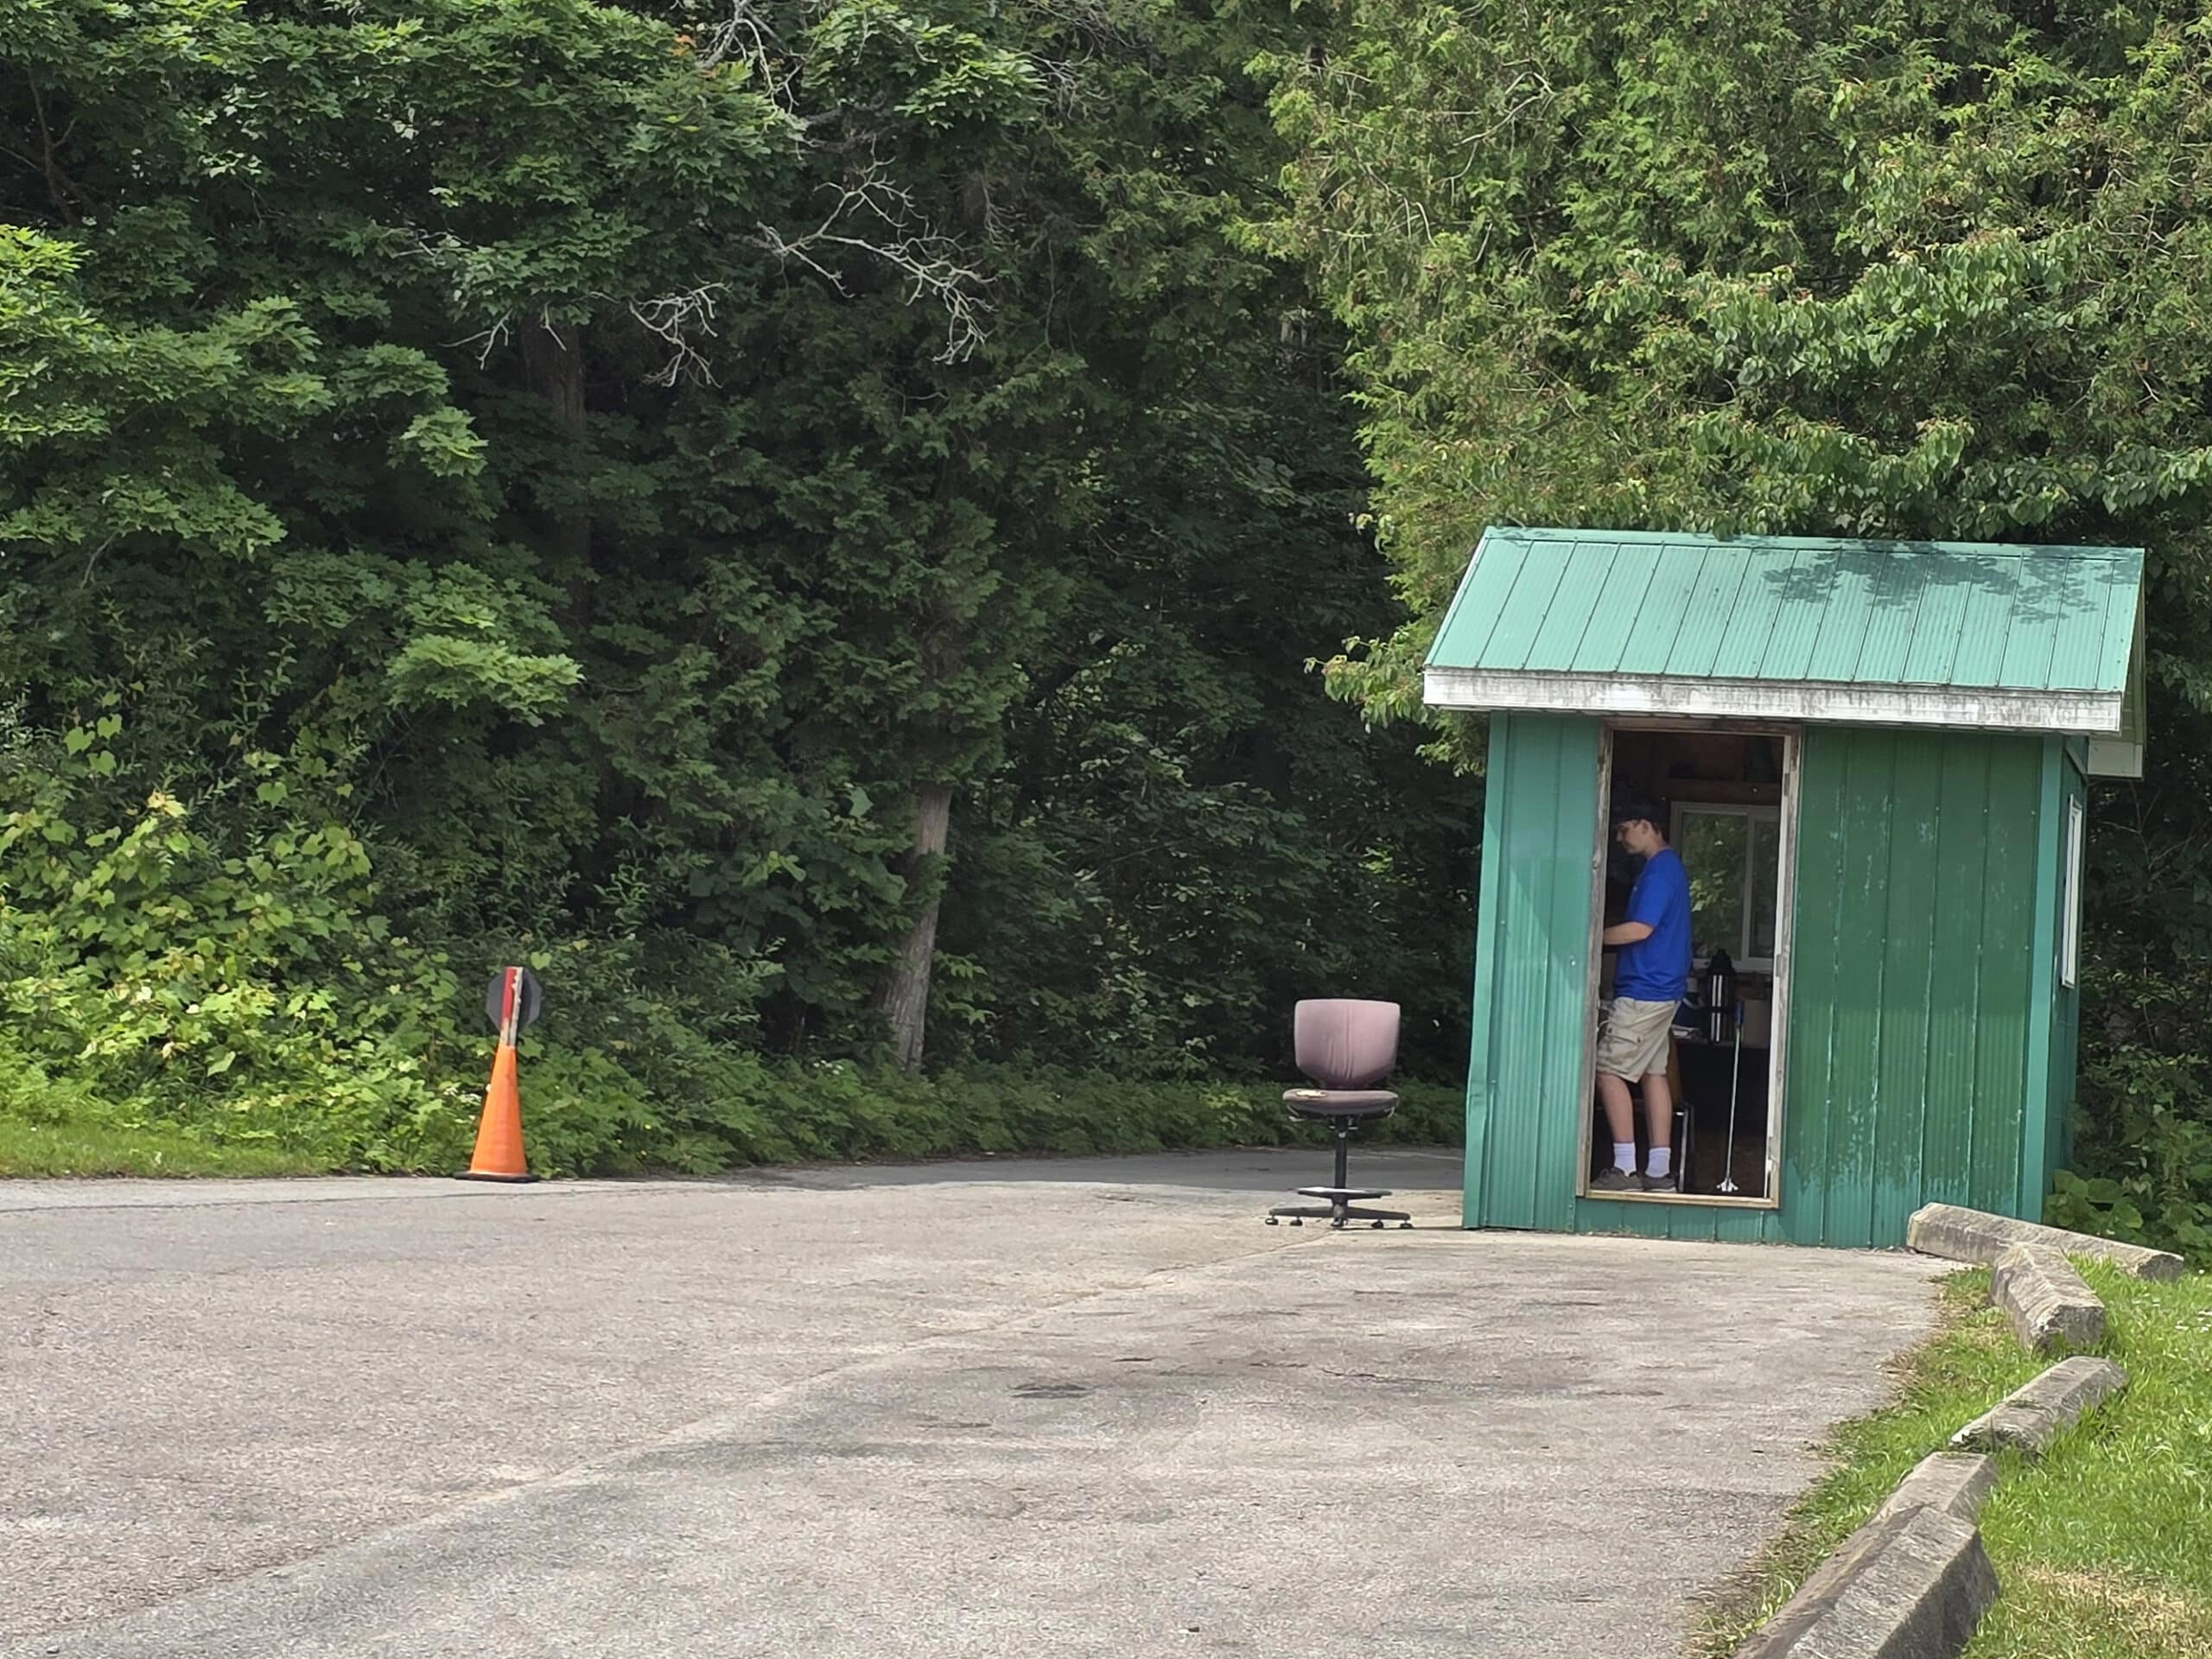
(1904,269)
(678,493)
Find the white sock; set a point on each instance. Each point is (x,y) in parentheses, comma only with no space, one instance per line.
(1662,1160)
(1624,1157)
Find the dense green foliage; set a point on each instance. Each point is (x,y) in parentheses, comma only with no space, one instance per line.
(606,486)
(809,521)
(1898,268)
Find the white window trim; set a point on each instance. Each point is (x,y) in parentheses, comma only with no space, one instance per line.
(1771,815)
(2070,946)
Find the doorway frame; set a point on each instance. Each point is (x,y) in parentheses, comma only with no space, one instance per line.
(1784,930)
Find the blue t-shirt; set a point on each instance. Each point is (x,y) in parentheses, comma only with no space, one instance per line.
(1657,969)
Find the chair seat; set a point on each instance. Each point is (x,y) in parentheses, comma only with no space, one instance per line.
(1340,1102)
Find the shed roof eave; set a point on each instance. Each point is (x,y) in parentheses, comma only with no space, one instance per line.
(1817,701)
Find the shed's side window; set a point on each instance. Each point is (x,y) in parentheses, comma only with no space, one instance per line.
(2070,947)
(1733,854)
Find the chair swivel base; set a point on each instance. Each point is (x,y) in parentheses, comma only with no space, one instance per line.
(1342,1207)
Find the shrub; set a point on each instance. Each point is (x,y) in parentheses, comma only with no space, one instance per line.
(223,970)
(2143,1151)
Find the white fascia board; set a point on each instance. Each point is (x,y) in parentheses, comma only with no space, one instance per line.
(2113,757)
(1821,702)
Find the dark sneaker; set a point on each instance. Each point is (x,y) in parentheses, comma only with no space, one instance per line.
(1617,1181)
(1660,1184)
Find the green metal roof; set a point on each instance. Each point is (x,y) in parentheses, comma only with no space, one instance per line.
(1948,633)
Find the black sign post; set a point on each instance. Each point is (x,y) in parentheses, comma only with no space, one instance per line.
(528,1000)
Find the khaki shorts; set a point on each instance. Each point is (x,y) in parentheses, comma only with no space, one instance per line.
(1632,1043)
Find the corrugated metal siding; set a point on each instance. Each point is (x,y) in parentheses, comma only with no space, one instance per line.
(1713,1224)
(1979,615)
(2069,764)
(1524,1070)
(2065,1024)
(2043,977)
(1917,893)
(1919,890)
(1524,1076)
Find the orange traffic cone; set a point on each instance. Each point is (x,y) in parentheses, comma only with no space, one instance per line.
(498,1155)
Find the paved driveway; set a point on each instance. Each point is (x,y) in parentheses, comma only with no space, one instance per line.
(1085,1408)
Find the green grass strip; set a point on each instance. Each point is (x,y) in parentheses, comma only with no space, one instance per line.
(81,1148)
(2103,1549)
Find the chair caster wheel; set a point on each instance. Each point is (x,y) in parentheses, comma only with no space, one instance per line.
(1274,1220)
(1295,1222)
(1403,1226)
(1376,1225)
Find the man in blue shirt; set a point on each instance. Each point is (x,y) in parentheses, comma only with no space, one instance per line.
(1651,974)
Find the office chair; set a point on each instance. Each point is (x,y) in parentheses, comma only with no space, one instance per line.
(1345,1047)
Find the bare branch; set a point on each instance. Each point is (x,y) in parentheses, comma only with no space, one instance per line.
(878,220)
(58,185)
(679,319)
(92,559)
(747,36)
(488,341)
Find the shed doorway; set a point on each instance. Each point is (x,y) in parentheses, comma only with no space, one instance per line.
(1727,797)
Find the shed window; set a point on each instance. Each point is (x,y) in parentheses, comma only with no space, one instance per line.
(1734,857)
(2070,944)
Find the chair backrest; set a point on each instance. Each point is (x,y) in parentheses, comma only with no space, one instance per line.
(1344,1043)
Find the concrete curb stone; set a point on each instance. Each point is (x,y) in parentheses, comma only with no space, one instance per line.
(2029,1418)
(1914,1582)
(1956,1483)
(2050,1306)
(1911,1583)
(1961,1235)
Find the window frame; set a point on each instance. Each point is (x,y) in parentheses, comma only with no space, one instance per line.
(1754,812)
(2069,915)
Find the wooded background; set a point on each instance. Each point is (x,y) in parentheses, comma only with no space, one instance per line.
(816,524)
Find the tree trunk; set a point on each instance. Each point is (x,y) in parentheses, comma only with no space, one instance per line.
(906,995)
(555,365)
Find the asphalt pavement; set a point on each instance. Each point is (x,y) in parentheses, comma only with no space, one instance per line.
(1070,1409)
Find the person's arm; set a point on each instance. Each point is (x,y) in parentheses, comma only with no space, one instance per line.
(1645,912)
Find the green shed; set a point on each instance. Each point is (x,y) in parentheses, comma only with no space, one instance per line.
(1871,759)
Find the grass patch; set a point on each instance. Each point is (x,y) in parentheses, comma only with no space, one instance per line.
(2101,1547)
(2104,1549)
(586,1125)
(93,1148)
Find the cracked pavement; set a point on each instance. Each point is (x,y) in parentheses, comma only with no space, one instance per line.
(1076,1407)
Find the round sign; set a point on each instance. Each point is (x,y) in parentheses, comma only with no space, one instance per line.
(529,998)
